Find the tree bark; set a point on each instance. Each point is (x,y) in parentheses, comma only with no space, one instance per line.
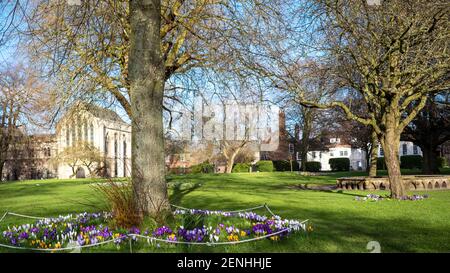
(430,163)
(2,164)
(390,142)
(146,72)
(373,155)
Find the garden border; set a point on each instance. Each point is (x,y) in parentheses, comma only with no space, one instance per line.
(150,240)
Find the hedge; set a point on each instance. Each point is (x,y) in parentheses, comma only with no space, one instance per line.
(285,165)
(381,164)
(411,162)
(442,162)
(264,166)
(339,164)
(204,167)
(241,168)
(313,166)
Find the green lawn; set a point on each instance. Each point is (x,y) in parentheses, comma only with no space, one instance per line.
(341,224)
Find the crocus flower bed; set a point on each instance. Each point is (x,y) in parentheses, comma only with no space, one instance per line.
(375,197)
(89,229)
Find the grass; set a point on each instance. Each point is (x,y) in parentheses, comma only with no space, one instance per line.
(341,224)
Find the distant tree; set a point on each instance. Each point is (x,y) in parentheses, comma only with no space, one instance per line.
(80,154)
(21,99)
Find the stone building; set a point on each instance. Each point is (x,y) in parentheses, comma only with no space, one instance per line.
(37,156)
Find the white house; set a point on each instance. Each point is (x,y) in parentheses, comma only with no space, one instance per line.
(357,156)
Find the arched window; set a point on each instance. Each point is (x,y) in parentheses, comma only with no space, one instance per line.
(106,143)
(86,137)
(92,133)
(67,136)
(79,130)
(116,173)
(124,157)
(74,134)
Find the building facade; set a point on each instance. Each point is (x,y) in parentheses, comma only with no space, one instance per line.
(335,148)
(99,128)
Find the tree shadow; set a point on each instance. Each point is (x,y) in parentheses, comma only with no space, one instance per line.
(180,189)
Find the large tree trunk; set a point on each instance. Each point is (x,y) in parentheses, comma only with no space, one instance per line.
(430,160)
(373,155)
(2,164)
(390,142)
(146,72)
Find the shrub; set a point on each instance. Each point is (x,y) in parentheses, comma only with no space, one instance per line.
(411,162)
(204,167)
(241,168)
(313,166)
(442,162)
(285,165)
(381,164)
(264,166)
(339,164)
(120,201)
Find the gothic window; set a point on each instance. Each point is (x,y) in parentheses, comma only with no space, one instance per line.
(79,131)
(68,136)
(92,133)
(86,131)
(116,173)
(73,131)
(124,158)
(106,145)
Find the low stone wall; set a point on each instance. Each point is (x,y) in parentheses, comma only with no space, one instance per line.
(412,182)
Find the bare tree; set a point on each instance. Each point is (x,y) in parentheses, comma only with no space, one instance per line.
(20,107)
(392,55)
(125,52)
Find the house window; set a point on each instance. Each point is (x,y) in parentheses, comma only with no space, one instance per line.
(345,153)
(291,148)
(331,154)
(314,154)
(415,150)
(381,152)
(404,149)
(341,153)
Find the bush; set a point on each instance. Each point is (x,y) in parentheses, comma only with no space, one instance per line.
(285,165)
(381,164)
(241,168)
(313,166)
(339,164)
(204,167)
(264,166)
(411,162)
(442,162)
(120,201)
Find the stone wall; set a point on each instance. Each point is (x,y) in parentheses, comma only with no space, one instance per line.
(412,182)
